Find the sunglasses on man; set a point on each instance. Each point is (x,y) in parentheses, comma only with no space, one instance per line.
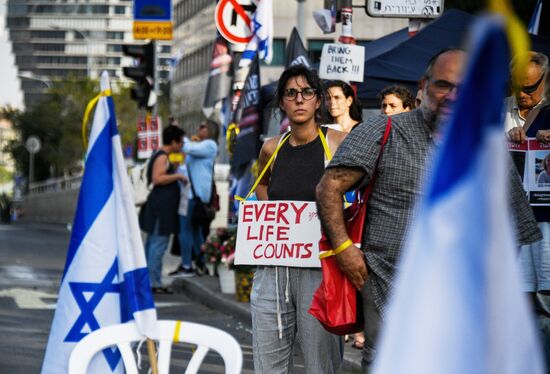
(532,88)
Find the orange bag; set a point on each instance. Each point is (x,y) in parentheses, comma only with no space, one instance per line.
(337,303)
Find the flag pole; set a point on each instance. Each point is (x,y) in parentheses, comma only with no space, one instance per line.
(152,356)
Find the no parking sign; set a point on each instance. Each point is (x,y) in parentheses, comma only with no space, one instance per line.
(233,20)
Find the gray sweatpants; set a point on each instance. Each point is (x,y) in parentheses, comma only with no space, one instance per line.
(273,353)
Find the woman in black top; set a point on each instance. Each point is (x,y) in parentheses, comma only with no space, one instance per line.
(159,216)
(281,295)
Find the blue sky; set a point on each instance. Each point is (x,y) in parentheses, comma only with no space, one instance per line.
(10,92)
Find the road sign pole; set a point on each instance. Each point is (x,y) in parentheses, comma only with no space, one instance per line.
(31,169)
(156,77)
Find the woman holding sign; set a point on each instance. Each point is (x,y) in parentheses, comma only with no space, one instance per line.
(281,295)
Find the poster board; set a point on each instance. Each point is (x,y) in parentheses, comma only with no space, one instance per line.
(278,233)
(532,159)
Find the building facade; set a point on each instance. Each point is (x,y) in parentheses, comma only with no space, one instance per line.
(195,31)
(54,39)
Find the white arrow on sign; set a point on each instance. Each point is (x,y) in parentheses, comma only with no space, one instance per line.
(233,20)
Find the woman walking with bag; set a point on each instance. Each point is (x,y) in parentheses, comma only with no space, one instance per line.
(281,295)
(159,216)
(200,156)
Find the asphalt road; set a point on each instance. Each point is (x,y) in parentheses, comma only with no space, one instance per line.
(31,263)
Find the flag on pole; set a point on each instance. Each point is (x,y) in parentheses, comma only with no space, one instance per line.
(262,39)
(535,19)
(296,53)
(219,76)
(457,305)
(105,280)
(248,117)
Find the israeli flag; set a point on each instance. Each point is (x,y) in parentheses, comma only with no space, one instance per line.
(534,23)
(262,38)
(457,305)
(105,280)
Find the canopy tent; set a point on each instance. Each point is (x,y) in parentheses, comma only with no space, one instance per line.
(406,62)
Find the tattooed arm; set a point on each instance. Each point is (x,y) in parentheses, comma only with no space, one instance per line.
(335,182)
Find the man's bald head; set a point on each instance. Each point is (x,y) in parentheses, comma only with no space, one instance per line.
(443,76)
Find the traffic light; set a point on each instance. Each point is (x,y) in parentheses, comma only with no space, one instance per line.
(143,73)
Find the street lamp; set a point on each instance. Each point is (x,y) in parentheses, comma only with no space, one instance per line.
(88,43)
(30,75)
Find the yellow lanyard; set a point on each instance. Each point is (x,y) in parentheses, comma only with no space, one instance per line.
(270,161)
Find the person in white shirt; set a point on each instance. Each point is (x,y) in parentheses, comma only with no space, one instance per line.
(522,107)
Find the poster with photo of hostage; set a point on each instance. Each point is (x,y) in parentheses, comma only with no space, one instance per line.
(518,153)
(538,172)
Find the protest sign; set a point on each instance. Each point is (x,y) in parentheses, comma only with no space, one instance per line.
(282,233)
(342,61)
(532,160)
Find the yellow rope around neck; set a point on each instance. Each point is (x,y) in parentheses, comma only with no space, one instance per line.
(328,155)
(89,108)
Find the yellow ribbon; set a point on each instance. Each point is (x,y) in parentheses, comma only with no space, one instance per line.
(89,108)
(334,252)
(231,133)
(517,38)
(176,337)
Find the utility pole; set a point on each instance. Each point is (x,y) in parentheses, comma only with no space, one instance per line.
(346,14)
(300,18)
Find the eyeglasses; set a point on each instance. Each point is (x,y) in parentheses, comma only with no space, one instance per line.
(444,87)
(530,89)
(307,93)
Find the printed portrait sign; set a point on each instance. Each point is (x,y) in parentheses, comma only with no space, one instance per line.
(532,160)
(282,233)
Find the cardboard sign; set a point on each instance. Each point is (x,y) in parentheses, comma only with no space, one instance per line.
(342,61)
(282,233)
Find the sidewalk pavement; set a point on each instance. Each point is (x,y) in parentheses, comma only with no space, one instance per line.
(206,290)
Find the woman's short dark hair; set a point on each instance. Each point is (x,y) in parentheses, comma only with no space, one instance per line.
(355,111)
(171,133)
(312,79)
(213,129)
(401,92)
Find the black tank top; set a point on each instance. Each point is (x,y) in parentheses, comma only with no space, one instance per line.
(297,171)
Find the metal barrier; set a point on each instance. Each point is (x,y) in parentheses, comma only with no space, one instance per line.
(56,185)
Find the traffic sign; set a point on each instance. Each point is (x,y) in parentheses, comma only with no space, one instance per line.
(33,144)
(233,20)
(404,8)
(153,19)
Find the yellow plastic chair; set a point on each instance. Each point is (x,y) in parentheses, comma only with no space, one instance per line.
(205,337)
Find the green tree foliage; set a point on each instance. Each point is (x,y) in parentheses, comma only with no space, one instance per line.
(57,122)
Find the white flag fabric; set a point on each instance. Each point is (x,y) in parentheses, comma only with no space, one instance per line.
(534,23)
(457,306)
(105,280)
(262,38)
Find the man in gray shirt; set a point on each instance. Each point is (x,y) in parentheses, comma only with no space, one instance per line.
(400,176)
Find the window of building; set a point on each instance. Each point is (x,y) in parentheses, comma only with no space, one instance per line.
(49,47)
(115,35)
(18,22)
(279,46)
(114,48)
(120,9)
(165,48)
(315,48)
(186,9)
(48,34)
